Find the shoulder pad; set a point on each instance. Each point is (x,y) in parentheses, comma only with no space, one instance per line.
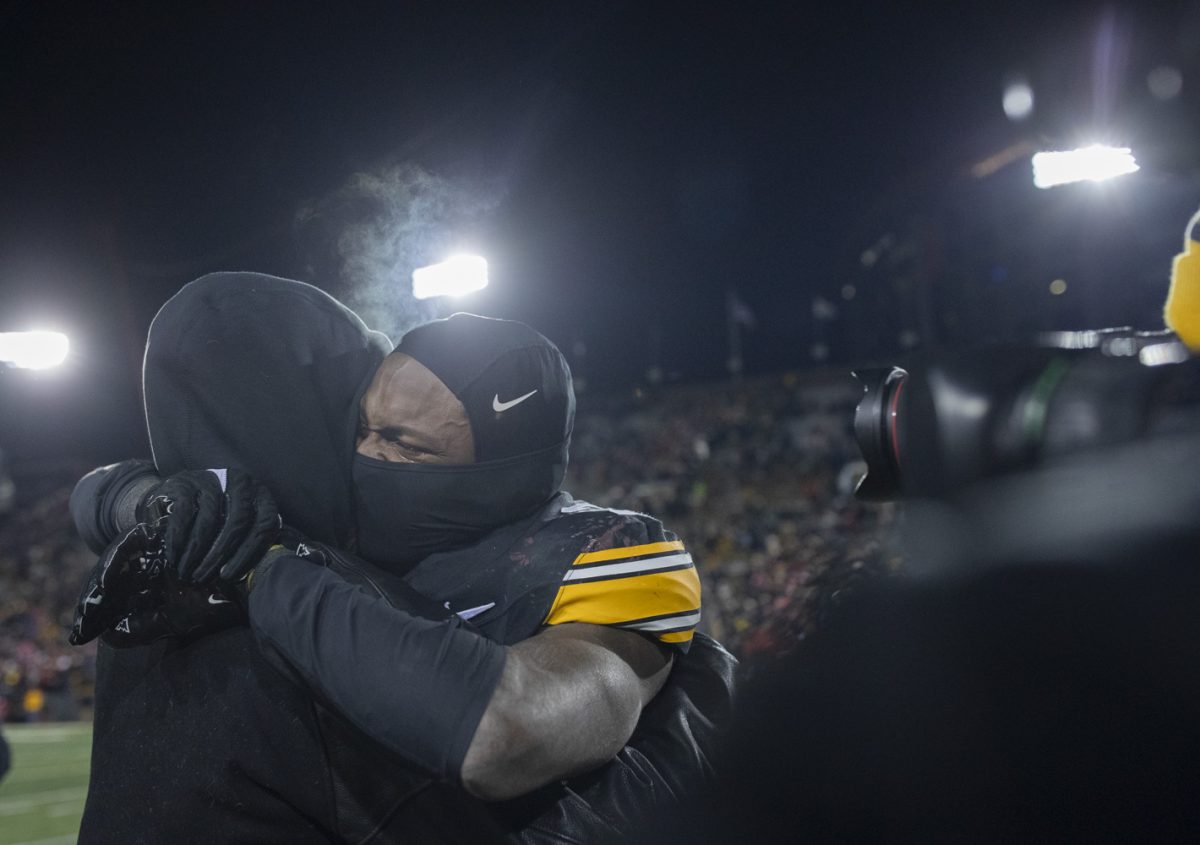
(627,572)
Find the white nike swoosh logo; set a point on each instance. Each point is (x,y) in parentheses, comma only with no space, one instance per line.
(500,407)
(215,600)
(475,611)
(222,476)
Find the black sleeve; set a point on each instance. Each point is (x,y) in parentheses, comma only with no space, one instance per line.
(3,756)
(417,686)
(104,502)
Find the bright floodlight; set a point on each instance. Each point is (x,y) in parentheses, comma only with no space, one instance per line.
(1090,164)
(452,277)
(33,350)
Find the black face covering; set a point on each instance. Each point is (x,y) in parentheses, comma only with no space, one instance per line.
(515,387)
(406,512)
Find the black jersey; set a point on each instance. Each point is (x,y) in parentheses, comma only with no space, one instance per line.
(669,755)
(576,562)
(572,562)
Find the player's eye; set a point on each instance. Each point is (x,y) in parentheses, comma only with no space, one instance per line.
(408,447)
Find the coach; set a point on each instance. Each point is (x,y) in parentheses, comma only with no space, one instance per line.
(199,738)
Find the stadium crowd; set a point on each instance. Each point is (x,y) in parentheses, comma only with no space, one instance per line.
(42,565)
(755,476)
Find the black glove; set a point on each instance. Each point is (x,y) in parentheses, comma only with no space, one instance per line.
(132,597)
(185,610)
(210,532)
(125,577)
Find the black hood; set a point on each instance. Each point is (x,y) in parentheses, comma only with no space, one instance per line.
(263,374)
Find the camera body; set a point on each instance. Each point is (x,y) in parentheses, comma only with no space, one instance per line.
(950,420)
(1082,447)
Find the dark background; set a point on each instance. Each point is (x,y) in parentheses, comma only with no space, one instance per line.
(623,166)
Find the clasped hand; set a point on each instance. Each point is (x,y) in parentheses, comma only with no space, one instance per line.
(182,568)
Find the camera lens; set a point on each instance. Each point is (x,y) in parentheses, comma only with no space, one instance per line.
(875,430)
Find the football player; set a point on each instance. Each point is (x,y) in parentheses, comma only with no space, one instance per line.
(580,610)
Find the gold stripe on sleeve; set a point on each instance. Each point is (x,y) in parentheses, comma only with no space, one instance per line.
(618,600)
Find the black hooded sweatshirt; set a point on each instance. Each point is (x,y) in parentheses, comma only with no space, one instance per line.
(202,740)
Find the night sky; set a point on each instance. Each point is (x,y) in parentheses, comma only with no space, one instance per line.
(621,165)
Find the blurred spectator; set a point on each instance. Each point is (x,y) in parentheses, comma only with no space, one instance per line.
(8,490)
(42,565)
(757,478)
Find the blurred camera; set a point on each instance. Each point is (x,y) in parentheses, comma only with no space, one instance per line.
(945,422)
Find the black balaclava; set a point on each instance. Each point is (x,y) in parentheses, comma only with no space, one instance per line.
(516,388)
(263,374)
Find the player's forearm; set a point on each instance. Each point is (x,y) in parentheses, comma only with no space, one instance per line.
(562,706)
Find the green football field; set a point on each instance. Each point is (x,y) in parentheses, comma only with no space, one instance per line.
(41,798)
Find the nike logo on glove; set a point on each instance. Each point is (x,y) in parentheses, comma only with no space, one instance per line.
(500,407)
(212,599)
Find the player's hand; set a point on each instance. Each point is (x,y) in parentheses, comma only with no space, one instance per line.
(182,610)
(125,578)
(132,598)
(212,532)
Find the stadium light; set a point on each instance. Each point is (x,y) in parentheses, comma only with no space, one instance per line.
(452,277)
(33,350)
(1089,164)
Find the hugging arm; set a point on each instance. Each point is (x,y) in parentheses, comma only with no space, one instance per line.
(499,720)
(568,700)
